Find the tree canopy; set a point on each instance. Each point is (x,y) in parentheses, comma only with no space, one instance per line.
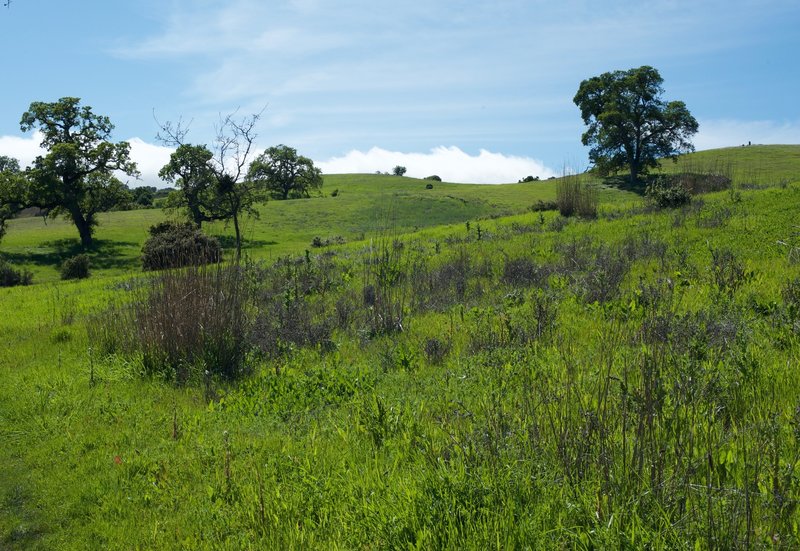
(629,124)
(284,173)
(76,176)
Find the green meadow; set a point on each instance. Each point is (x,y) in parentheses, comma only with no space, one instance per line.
(459,371)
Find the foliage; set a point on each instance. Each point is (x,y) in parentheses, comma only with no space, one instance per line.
(527,179)
(10,190)
(399,170)
(190,169)
(76,175)
(75,267)
(629,124)
(433,177)
(667,193)
(285,174)
(176,244)
(10,276)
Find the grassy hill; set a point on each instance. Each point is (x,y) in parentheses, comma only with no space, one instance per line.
(363,205)
(755,164)
(620,383)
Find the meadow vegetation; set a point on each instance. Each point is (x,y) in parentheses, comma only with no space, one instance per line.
(467,370)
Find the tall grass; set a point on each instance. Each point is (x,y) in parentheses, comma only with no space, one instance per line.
(183,324)
(575,197)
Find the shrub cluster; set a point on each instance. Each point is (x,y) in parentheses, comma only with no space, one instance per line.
(177,244)
(76,267)
(667,193)
(10,276)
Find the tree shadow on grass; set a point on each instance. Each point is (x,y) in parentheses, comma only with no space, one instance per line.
(624,183)
(103,254)
(228,242)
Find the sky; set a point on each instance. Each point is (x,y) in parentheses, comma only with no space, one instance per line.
(476,91)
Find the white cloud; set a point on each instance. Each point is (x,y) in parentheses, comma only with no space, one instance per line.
(450,163)
(727,133)
(148,157)
(24,149)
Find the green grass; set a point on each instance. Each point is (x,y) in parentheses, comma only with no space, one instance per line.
(755,164)
(365,203)
(600,384)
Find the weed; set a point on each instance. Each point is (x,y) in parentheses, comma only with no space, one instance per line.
(728,271)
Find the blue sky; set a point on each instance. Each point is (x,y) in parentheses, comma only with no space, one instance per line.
(472,91)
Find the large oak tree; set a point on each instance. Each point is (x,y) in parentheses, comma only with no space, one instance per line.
(76,175)
(629,124)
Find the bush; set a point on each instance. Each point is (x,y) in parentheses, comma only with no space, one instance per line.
(399,170)
(10,276)
(433,177)
(76,267)
(667,193)
(176,244)
(428,186)
(527,179)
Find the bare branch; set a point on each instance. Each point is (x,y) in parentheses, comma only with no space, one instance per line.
(172,134)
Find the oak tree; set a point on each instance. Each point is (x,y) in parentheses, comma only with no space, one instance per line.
(76,175)
(628,122)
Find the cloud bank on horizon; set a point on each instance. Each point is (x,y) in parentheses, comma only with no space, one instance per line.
(450,163)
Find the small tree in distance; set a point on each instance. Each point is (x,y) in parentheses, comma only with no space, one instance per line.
(399,170)
(285,174)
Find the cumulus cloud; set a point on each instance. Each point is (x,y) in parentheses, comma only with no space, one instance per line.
(149,159)
(24,149)
(450,163)
(727,133)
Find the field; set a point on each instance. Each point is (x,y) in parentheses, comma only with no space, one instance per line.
(462,372)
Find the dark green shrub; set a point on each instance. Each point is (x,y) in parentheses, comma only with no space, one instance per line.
(76,267)
(667,193)
(428,186)
(176,244)
(10,276)
(433,177)
(542,206)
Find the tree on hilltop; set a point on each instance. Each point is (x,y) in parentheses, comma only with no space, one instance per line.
(284,173)
(629,124)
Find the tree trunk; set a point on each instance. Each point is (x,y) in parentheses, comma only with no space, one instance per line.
(634,166)
(238,236)
(84,225)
